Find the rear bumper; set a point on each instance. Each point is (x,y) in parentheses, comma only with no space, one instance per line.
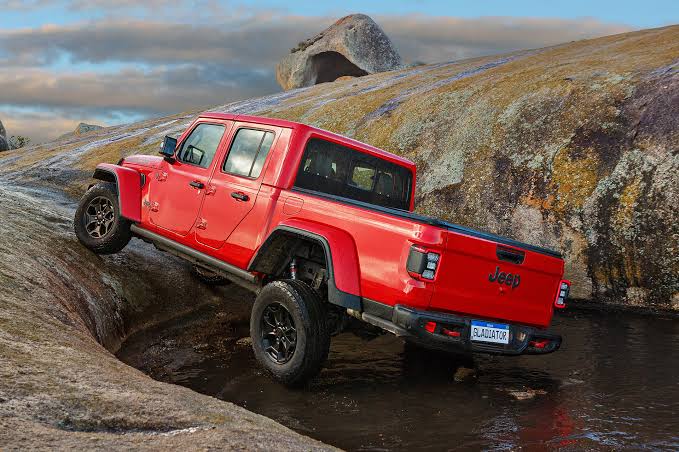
(452,333)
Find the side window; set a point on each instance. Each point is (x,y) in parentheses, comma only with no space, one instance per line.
(248,153)
(201,146)
(337,170)
(362,176)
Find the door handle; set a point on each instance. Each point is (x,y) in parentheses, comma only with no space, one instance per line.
(197,184)
(239,196)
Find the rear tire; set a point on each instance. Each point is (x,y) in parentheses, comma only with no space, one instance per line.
(98,224)
(290,332)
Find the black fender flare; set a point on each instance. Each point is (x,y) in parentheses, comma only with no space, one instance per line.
(283,233)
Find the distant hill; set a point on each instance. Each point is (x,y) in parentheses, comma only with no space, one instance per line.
(81,129)
(572,147)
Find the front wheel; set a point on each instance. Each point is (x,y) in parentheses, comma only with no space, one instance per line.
(98,224)
(290,332)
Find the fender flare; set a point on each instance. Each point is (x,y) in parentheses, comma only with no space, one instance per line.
(344,287)
(128,184)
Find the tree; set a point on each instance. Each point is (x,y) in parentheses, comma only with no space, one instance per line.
(17,141)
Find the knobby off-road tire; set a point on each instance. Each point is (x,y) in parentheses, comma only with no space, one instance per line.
(98,224)
(207,277)
(278,307)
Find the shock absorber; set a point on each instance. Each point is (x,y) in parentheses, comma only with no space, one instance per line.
(293,268)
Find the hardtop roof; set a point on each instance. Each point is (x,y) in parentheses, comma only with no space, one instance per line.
(350,142)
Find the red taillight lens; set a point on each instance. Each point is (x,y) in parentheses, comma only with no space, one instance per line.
(451,333)
(540,343)
(430,326)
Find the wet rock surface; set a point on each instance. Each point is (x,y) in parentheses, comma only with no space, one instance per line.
(572,147)
(64,310)
(353,46)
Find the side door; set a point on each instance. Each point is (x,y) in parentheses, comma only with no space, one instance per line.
(234,186)
(177,189)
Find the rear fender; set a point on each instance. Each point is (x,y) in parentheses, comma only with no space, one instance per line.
(340,254)
(128,184)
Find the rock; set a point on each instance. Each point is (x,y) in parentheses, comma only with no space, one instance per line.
(244,342)
(85,128)
(64,311)
(525,394)
(503,143)
(4,143)
(465,374)
(81,129)
(353,46)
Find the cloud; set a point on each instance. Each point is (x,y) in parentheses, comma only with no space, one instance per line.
(112,68)
(161,90)
(435,39)
(39,126)
(259,41)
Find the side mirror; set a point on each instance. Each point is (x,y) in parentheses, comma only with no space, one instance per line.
(167,148)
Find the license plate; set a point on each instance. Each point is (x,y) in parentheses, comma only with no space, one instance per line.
(497,333)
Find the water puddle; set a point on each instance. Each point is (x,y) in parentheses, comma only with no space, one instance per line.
(613,385)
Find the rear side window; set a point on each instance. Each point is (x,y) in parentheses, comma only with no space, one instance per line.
(248,152)
(341,171)
(201,146)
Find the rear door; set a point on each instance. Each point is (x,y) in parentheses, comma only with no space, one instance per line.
(479,277)
(233,189)
(177,189)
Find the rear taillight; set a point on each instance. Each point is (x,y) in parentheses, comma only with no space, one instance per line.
(430,327)
(454,331)
(422,263)
(562,294)
(539,343)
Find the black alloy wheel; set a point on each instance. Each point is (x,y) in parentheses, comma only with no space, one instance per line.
(99,217)
(279,336)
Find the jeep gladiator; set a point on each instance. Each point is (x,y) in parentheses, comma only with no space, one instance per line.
(321,227)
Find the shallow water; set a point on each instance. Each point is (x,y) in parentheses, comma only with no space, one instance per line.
(614,384)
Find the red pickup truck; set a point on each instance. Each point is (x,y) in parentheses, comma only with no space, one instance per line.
(321,227)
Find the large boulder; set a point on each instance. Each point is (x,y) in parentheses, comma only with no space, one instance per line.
(4,144)
(353,46)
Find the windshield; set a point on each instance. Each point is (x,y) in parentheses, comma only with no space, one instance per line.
(337,170)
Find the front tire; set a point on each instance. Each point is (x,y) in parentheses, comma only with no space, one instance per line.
(290,332)
(98,224)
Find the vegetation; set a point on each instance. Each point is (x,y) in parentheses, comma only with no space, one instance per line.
(18,141)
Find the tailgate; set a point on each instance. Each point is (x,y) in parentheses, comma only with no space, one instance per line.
(479,276)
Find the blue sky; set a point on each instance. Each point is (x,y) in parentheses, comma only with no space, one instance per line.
(645,14)
(112,61)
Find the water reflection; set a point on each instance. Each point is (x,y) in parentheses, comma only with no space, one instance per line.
(613,385)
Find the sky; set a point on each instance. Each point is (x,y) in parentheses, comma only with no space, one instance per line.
(109,62)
